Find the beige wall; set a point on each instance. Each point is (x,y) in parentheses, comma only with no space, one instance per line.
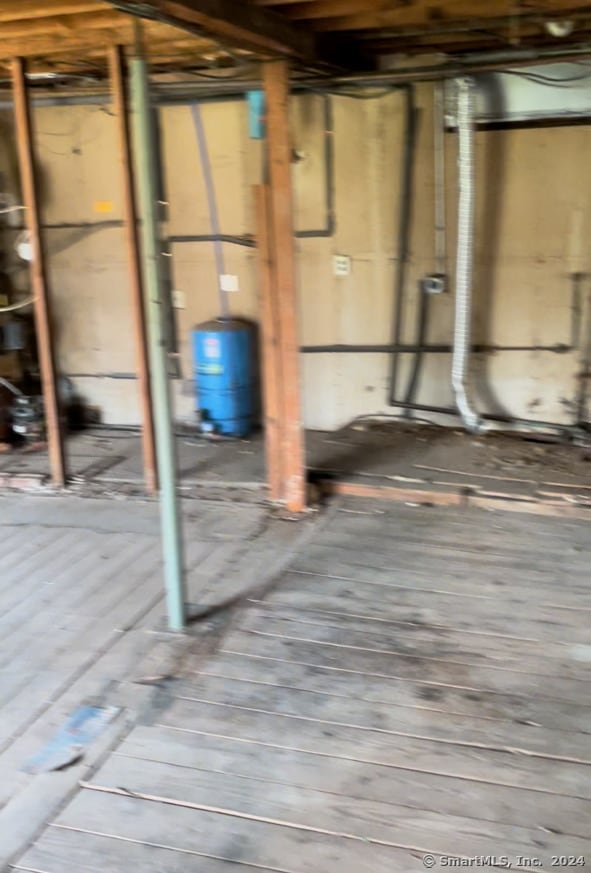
(533,229)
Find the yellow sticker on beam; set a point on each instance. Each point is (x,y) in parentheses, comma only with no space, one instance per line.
(103,206)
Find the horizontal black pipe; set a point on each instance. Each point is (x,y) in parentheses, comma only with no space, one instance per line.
(557,348)
(234,239)
(249,242)
(233,87)
(81,225)
(501,419)
(125,376)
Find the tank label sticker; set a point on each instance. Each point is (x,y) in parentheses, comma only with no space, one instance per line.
(210,369)
(211,347)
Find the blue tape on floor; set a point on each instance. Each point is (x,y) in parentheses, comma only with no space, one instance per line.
(68,745)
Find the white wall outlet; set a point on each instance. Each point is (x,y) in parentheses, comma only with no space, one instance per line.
(178,299)
(229,283)
(341,265)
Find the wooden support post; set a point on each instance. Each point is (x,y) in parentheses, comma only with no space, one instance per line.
(271,363)
(276,85)
(26,158)
(120,106)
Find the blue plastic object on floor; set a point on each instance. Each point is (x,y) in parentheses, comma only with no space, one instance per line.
(223,359)
(68,744)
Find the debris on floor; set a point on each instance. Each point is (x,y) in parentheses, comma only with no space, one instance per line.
(67,746)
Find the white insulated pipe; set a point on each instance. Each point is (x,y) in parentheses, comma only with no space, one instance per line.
(465,255)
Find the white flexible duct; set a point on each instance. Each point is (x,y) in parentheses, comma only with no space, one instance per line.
(464,259)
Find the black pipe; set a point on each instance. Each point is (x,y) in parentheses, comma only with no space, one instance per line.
(500,419)
(584,376)
(423,314)
(187,91)
(404,221)
(336,349)
(124,376)
(212,237)
(330,224)
(410,348)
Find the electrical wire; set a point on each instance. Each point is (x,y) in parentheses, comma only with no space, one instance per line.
(16,391)
(211,205)
(20,305)
(233,76)
(338,92)
(8,205)
(540,79)
(387,417)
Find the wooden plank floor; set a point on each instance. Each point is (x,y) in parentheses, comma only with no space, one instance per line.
(81,607)
(415,683)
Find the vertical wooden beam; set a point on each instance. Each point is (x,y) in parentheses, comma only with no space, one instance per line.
(276,85)
(30,196)
(271,364)
(121,108)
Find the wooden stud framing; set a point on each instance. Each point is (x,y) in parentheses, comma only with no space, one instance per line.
(24,138)
(271,363)
(33,9)
(120,105)
(60,25)
(276,85)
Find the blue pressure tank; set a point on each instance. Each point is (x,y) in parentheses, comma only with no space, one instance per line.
(225,377)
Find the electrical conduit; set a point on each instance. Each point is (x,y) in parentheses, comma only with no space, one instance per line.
(212,207)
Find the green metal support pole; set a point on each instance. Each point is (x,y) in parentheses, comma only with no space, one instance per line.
(170,515)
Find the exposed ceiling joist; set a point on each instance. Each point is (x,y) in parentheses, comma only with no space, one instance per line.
(61,25)
(427,13)
(235,22)
(456,42)
(302,10)
(46,45)
(64,42)
(33,9)
(279,2)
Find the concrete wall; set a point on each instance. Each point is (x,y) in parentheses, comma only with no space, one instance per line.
(533,230)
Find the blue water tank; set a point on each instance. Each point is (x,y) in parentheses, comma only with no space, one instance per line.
(225,376)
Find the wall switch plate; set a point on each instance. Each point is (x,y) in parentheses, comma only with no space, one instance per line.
(178,299)
(229,283)
(341,265)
